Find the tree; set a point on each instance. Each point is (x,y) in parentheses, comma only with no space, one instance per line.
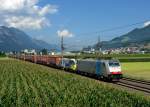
(2,54)
(44,51)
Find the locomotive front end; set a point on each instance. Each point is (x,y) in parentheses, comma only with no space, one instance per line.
(114,70)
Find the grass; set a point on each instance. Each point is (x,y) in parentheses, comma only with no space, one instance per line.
(140,70)
(25,84)
(4,58)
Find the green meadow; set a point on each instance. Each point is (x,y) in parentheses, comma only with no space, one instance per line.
(139,70)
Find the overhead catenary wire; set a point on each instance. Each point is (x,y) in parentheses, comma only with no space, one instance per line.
(114,28)
(111,29)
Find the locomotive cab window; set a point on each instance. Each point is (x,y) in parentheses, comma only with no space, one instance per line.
(72,62)
(114,64)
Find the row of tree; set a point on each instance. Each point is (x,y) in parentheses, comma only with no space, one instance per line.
(2,54)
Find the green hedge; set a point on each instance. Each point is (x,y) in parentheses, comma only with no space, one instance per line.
(2,55)
(122,58)
(135,60)
(109,55)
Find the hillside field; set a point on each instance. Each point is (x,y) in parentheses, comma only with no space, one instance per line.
(25,84)
(139,70)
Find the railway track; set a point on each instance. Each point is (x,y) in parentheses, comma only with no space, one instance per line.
(137,80)
(139,85)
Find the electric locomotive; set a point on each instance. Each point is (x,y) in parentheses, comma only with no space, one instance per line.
(106,69)
(68,64)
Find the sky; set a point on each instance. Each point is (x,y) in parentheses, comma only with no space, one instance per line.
(76,20)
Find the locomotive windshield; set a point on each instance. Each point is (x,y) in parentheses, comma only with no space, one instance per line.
(71,62)
(114,64)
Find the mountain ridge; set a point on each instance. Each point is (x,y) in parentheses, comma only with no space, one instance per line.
(13,39)
(136,37)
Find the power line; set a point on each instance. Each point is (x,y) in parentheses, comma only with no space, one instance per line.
(102,31)
(112,29)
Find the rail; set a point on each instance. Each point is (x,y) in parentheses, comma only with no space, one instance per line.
(139,85)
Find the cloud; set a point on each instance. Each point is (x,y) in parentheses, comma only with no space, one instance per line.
(25,14)
(146,23)
(27,22)
(64,33)
(51,9)
(16,5)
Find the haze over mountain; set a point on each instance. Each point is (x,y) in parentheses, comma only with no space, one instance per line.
(136,37)
(12,39)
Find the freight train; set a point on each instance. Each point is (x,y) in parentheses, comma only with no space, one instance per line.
(104,69)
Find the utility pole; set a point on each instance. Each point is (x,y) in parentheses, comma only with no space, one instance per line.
(99,43)
(99,39)
(62,47)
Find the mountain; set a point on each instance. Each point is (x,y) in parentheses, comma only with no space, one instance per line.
(137,37)
(12,39)
(43,44)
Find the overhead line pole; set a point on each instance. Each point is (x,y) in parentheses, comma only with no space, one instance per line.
(62,47)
